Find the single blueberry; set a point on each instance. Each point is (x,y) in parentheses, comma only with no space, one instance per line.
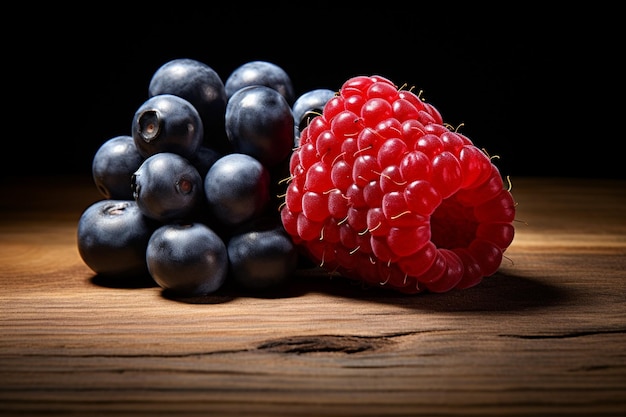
(167,187)
(187,259)
(264,73)
(113,165)
(237,188)
(112,238)
(262,255)
(259,122)
(167,123)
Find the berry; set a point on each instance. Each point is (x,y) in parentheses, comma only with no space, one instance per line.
(187,259)
(236,188)
(167,187)
(261,255)
(201,86)
(260,73)
(259,123)
(113,165)
(167,123)
(112,237)
(382,191)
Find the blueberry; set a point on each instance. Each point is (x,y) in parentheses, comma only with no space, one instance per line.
(187,259)
(112,238)
(260,73)
(309,105)
(259,122)
(167,187)
(112,166)
(202,86)
(237,188)
(261,255)
(167,123)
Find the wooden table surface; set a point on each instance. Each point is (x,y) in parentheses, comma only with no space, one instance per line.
(545,335)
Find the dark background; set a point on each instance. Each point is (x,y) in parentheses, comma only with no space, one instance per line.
(538,89)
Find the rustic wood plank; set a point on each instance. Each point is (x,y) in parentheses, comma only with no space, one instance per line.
(544,335)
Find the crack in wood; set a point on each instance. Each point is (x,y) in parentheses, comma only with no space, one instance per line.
(329,343)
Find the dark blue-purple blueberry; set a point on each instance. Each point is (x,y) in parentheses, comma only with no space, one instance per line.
(259,122)
(307,106)
(167,123)
(112,166)
(237,188)
(201,85)
(260,73)
(187,259)
(167,187)
(112,238)
(261,255)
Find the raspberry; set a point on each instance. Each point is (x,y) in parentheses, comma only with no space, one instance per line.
(382,191)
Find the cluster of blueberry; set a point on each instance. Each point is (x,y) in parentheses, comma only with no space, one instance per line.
(191,195)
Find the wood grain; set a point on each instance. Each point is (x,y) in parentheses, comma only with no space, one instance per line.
(545,335)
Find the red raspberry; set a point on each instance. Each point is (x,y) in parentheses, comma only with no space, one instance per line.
(383,192)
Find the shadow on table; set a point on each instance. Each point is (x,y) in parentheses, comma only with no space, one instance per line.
(131,282)
(498,293)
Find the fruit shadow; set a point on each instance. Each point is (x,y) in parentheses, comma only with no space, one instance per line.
(146,282)
(498,293)
(130,282)
(229,292)
(226,293)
